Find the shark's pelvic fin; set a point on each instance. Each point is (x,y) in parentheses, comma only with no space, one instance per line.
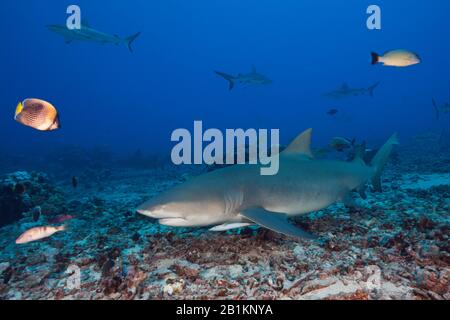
(277,222)
(301,144)
(229,226)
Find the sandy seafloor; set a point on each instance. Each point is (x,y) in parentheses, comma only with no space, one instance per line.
(396,246)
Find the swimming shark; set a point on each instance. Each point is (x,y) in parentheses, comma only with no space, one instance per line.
(346,91)
(86,33)
(444,108)
(252,78)
(238,196)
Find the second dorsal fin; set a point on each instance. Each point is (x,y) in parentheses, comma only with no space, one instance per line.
(301,144)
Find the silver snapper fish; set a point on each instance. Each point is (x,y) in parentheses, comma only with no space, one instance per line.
(38,233)
(443,108)
(239,196)
(340,144)
(252,78)
(396,58)
(86,33)
(346,91)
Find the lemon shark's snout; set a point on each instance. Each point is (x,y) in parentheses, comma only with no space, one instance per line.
(177,209)
(166,214)
(156,210)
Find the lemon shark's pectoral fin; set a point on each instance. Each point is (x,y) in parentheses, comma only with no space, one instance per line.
(277,222)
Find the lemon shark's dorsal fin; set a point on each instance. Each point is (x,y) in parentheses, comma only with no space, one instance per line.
(301,144)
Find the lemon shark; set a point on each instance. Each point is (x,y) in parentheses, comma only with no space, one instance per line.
(252,78)
(238,196)
(86,33)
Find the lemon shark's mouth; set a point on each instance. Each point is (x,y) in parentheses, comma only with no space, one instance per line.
(175,222)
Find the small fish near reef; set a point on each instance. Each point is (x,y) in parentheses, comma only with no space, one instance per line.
(36,213)
(38,233)
(74,182)
(19,188)
(396,58)
(332,112)
(340,144)
(37,114)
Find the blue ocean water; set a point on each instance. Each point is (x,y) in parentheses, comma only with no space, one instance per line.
(125,105)
(106,95)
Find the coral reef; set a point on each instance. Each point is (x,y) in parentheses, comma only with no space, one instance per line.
(394,246)
(24,194)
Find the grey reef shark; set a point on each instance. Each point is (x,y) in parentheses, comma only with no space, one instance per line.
(88,34)
(239,196)
(346,91)
(250,79)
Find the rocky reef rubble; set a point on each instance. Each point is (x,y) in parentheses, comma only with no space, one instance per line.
(395,246)
(24,194)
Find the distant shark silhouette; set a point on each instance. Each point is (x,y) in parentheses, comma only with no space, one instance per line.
(252,78)
(86,33)
(444,108)
(346,91)
(239,196)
